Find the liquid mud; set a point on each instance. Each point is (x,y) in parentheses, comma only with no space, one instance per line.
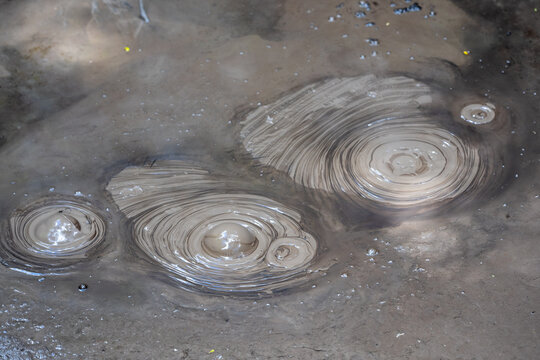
(224,242)
(275,179)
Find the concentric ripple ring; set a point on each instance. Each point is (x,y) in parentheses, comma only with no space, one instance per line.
(478,114)
(366,138)
(208,239)
(51,234)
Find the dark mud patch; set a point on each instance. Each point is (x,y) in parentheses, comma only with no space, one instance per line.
(31,90)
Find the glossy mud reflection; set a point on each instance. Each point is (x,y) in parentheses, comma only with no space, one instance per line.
(52,234)
(87,88)
(209,238)
(369,138)
(478,114)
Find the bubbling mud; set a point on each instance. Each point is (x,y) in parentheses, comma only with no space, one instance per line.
(367,138)
(478,114)
(52,234)
(219,242)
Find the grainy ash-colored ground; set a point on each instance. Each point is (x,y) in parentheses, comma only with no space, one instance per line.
(76,107)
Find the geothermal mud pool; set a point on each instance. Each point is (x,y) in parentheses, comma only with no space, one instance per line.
(219,241)
(269,179)
(369,137)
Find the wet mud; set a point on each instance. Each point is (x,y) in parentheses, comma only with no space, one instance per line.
(275,179)
(210,237)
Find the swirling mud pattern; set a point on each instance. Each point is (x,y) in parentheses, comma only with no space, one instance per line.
(52,234)
(368,139)
(210,240)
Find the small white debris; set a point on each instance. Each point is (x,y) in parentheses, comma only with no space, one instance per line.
(372,252)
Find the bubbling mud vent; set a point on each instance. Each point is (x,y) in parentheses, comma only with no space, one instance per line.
(374,140)
(210,239)
(52,234)
(478,113)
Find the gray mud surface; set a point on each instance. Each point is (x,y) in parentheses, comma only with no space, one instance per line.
(88,88)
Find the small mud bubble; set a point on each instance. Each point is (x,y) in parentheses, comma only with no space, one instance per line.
(282,252)
(291,252)
(83,287)
(478,114)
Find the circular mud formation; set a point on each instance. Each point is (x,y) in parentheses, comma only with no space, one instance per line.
(369,139)
(208,239)
(52,234)
(478,114)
